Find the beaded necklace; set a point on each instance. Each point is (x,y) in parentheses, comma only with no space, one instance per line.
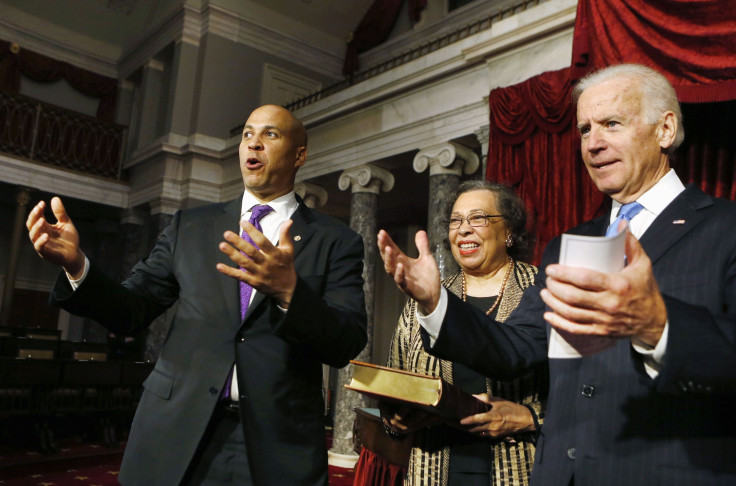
(500,291)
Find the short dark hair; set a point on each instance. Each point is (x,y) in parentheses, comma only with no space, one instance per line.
(511,207)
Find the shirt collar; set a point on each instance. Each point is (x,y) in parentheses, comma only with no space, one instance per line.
(658,196)
(284,206)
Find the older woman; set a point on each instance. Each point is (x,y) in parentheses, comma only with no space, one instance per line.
(487,236)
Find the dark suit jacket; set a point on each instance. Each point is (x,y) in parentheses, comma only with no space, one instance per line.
(279,355)
(607,422)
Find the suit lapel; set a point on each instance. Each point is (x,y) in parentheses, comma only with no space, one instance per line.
(678,219)
(302,229)
(223,220)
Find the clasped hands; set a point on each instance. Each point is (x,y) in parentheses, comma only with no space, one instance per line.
(581,301)
(269,268)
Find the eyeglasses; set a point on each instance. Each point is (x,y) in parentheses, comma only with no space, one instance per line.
(475,220)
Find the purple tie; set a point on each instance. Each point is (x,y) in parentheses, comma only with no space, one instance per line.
(257,213)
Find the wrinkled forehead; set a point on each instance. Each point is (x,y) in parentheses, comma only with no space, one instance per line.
(609,97)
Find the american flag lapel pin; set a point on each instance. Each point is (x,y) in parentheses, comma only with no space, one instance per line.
(679,221)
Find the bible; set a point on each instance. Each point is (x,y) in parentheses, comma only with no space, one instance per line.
(429,393)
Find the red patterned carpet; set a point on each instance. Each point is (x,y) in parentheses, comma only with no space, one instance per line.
(81,464)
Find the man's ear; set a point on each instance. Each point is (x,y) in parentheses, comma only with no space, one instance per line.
(301,156)
(667,130)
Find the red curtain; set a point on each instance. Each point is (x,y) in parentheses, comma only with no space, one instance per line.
(708,155)
(533,148)
(533,144)
(375,27)
(17,61)
(374,470)
(692,42)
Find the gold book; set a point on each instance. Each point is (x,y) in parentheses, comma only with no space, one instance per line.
(404,387)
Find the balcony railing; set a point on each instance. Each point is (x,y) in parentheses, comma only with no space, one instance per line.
(45,133)
(479,25)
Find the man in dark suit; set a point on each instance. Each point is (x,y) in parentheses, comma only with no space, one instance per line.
(196,424)
(656,406)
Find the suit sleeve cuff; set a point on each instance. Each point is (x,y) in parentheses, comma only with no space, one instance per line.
(653,356)
(432,323)
(76,283)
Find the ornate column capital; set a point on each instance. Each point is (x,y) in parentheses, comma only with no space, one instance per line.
(366,178)
(314,196)
(446,158)
(483,135)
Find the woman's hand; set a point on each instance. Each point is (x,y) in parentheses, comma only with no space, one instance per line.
(402,420)
(504,419)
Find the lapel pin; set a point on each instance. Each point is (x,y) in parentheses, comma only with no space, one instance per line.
(679,221)
(297,238)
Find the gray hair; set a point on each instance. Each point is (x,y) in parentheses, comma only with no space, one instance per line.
(657,94)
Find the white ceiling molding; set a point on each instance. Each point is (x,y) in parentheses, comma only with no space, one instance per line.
(424,31)
(184,24)
(542,24)
(548,19)
(255,33)
(436,98)
(64,182)
(280,86)
(76,49)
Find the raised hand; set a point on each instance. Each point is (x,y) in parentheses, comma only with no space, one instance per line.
(419,278)
(270,269)
(624,304)
(58,242)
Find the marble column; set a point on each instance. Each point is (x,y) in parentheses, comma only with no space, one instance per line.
(366,182)
(447,162)
(314,196)
(21,214)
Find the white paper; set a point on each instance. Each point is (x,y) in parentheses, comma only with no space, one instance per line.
(601,253)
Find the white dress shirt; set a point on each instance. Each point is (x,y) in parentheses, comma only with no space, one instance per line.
(283,208)
(654,201)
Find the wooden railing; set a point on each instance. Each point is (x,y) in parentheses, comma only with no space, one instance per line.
(48,134)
